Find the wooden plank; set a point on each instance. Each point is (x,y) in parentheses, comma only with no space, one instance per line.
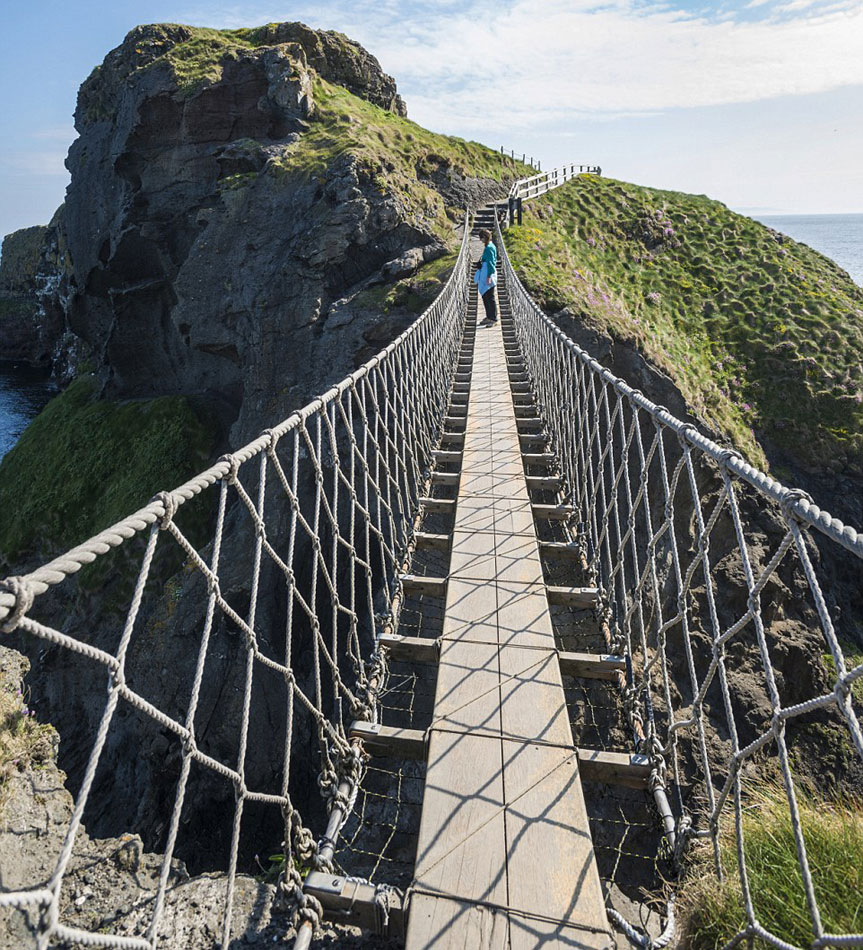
(551,868)
(467,696)
(473,555)
(440,505)
(553,512)
(538,458)
(522,616)
(518,559)
(436,542)
(354,902)
(436,923)
(390,741)
(462,839)
(471,611)
(452,438)
(532,703)
(414,584)
(543,482)
(443,455)
(614,768)
(561,549)
(573,596)
(445,478)
(411,649)
(596,666)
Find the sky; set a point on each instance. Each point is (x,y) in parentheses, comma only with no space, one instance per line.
(758,103)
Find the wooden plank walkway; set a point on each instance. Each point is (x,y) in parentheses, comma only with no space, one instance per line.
(505,858)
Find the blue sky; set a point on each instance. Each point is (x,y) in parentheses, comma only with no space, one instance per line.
(758,103)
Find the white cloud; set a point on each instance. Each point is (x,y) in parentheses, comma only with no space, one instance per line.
(510,66)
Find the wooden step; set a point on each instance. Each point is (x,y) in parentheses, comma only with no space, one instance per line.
(628,769)
(437,542)
(573,596)
(543,482)
(442,455)
(538,458)
(595,666)
(390,741)
(413,649)
(452,438)
(552,512)
(445,478)
(444,506)
(614,768)
(528,425)
(417,585)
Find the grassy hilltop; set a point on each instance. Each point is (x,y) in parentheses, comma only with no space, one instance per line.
(763,336)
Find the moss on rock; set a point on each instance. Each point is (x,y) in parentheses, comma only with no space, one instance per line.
(85,463)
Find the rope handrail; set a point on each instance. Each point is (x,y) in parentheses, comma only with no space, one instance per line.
(56,570)
(323,506)
(662,516)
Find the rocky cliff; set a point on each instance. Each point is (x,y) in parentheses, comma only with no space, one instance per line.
(227,189)
(33,273)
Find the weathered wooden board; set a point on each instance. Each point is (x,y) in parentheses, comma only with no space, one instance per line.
(505,858)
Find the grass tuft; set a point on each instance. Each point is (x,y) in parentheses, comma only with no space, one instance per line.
(711,912)
(24,742)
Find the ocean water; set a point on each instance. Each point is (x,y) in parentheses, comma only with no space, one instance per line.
(23,392)
(838,236)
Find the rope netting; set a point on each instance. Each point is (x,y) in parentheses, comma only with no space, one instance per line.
(317,514)
(715,587)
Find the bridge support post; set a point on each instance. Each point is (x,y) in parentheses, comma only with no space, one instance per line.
(518,208)
(511,204)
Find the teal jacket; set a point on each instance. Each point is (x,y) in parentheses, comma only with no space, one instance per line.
(489,256)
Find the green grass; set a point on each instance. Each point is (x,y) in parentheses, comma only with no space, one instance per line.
(414,293)
(711,912)
(762,336)
(393,155)
(24,742)
(85,463)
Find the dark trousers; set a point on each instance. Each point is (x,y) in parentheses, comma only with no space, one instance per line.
(489,301)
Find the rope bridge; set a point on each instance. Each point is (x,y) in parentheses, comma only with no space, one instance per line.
(333,503)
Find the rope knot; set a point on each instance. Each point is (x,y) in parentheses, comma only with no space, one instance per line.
(166,499)
(233,470)
(273,440)
(24,596)
(728,455)
(687,429)
(792,496)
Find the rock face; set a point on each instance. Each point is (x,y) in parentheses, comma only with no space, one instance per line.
(196,259)
(31,272)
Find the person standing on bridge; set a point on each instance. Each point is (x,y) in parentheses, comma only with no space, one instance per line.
(486,276)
